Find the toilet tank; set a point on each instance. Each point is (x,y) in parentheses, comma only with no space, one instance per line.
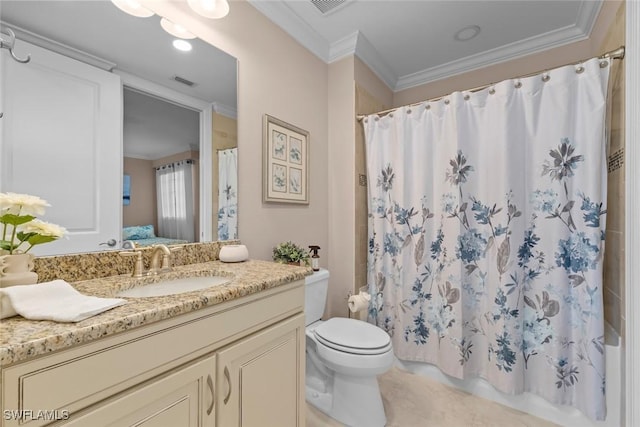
(315,295)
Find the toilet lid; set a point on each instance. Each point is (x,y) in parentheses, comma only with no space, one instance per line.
(353,336)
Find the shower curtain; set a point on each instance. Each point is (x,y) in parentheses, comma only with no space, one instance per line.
(486,233)
(228,194)
(174,191)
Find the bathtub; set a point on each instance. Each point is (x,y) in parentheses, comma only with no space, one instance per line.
(535,405)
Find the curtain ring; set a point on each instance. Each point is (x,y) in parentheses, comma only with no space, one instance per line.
(427,107)
(446,102)
(580,69)
(518,85)
(546,77)
(391,115)
(366,120)
(604,64)
(409,111)
(467,97)
(377,118)
(492,91)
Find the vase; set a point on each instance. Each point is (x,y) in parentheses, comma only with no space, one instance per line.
(17,270)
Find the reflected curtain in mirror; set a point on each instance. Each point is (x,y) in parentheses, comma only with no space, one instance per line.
(175,192)
(228,194)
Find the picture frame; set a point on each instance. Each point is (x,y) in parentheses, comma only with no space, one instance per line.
(285,166)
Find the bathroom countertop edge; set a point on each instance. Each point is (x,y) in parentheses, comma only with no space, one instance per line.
(22,339)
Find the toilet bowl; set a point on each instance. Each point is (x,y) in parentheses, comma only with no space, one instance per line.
(343,356)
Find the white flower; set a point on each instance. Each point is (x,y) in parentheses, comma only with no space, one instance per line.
(44,229)
(21,204)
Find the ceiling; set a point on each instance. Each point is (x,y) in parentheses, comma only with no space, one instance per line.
(100,34)
(411,42)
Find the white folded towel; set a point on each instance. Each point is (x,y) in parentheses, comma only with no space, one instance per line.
(56,300)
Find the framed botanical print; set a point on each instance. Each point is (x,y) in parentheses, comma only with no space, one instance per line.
(285,162)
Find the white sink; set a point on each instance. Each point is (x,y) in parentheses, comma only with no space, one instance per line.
(173,286)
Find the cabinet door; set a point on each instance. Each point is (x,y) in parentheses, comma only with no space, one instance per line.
(183,398)
(261,378)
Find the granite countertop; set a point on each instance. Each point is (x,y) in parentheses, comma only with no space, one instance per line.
(22,339)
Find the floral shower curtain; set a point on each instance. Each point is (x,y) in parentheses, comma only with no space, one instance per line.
(175,201)
(486,233)
(228,194)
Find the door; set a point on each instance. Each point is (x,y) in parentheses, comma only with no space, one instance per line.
(261,378)
(68,150)
(185,398)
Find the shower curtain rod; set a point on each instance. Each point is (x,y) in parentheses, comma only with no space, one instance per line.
(613,54)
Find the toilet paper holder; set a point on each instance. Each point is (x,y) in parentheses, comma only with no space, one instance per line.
(358,304)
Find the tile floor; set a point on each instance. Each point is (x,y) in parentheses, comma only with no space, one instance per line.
(414,401)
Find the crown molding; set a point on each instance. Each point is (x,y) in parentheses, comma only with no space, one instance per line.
(570,34)
(356,44)
(497,55)
(225,110)
(289,21)
(344,47)
(370,56)
(61,48)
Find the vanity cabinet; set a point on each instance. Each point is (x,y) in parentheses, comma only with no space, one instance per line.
(258,378)
(238,363)
(184,397)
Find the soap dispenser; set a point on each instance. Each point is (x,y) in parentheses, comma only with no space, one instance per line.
(315,258)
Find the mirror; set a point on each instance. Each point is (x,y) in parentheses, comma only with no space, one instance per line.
(176,118)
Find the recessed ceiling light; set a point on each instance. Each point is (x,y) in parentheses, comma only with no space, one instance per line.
(182,45)
(467,33)
(132,7)
(176,30)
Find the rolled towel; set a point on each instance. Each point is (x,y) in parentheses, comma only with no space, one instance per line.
(56,300)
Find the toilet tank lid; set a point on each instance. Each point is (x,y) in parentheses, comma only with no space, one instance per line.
(322,274)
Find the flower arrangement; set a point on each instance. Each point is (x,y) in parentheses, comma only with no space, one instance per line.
(290,253)
(20,228)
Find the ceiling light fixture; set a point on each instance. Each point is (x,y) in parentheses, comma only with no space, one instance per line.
(182,45)
(132,7)
(214,9)
(175,30)
(467,33)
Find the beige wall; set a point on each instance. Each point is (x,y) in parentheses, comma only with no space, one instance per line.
(224,135)
(276,76)
(614,265)
(341,185)
(142,209)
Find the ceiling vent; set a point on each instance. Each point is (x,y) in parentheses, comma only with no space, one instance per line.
(326,6)
(183,81)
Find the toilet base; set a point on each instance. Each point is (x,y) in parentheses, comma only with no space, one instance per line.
(354,401)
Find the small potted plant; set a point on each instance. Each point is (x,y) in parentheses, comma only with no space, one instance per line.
(290,253)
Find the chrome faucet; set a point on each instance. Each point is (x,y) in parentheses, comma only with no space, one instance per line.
(156,267)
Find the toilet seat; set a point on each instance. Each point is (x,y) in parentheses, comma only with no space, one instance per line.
(352,336)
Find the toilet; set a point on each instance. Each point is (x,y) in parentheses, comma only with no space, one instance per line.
(343,357)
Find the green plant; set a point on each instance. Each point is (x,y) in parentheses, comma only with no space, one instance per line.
(20,226)
(289,252)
